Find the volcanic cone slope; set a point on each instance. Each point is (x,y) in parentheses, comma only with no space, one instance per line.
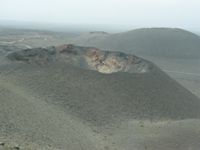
(61,96)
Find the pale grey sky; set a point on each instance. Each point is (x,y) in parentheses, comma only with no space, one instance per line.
(137,13)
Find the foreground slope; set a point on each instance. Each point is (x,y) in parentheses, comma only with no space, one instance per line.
(52,103)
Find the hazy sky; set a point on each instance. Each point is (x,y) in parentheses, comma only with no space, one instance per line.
(135,13)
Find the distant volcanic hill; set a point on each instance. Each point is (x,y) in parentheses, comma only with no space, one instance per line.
(82,98)
(162,42)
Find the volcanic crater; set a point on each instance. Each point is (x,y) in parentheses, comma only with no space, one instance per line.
(90,58)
